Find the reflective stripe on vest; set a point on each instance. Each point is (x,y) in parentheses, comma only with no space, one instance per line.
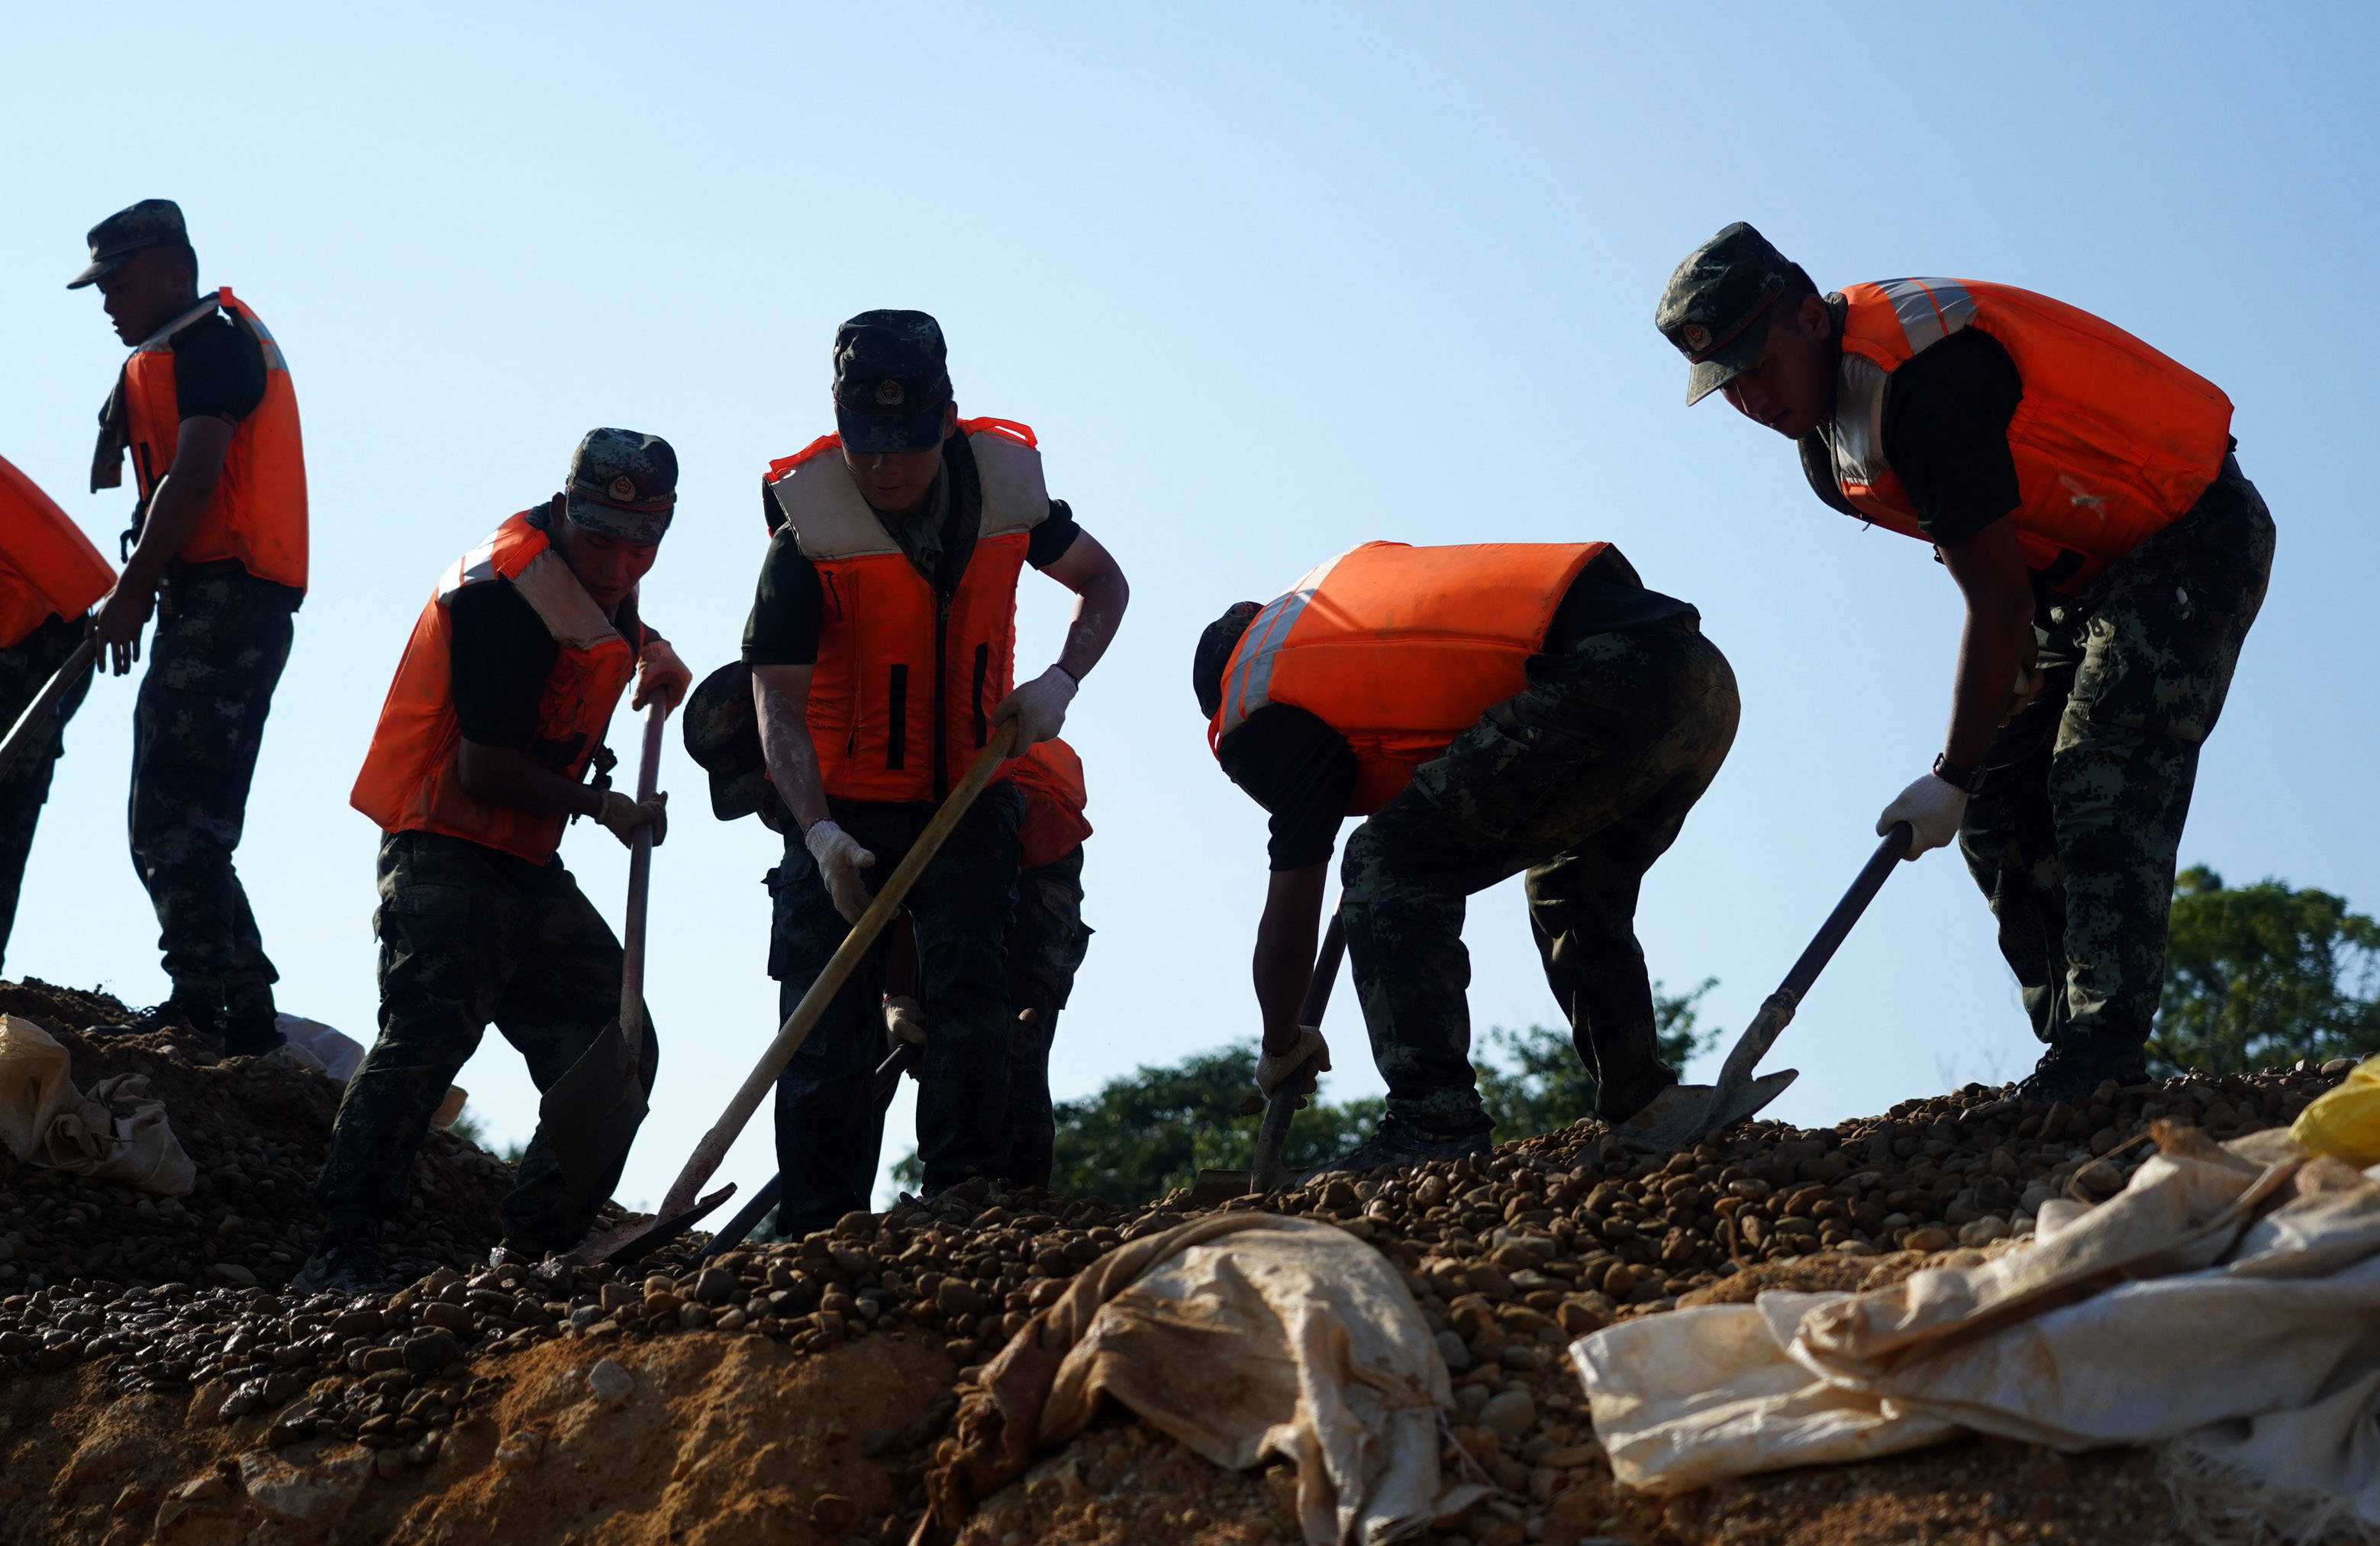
(1400,648)
(882,702)
(2112,441)
(411,779)
(48,566)
(258,514)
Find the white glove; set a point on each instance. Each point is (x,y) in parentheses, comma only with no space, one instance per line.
(621,816)
(1273,1071)
(840,860)
(1933,807)
(1039,707)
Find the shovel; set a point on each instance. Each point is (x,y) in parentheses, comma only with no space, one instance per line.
(28,726)
(591,1113)
(902,1060)
(1265,1172)
(680,1209)
(1684,1114)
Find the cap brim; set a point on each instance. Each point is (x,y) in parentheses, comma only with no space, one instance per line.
(630,526)
(1739,354)
(97,270)
(870,434)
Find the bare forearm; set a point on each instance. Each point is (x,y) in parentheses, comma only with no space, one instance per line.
(1989,650)
(1098,611)
(503,776)
(1283,965)
(786,747)
(174,513)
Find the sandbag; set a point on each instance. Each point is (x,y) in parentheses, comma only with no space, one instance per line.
(117,1132)
(2344,1123)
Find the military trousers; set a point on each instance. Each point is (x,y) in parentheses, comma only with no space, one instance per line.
(26,668)
(2074,829)
(830,1128)
(468,936)
(1579,782)
(1047,942)
(198,724)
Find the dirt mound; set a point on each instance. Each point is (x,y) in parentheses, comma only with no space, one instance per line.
(802,1391)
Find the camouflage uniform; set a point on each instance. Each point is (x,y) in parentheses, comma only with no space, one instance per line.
(829,1125)
(1581,780)
(1046,945)
(222,638)
(469,935)
(26,668)
(2074,832)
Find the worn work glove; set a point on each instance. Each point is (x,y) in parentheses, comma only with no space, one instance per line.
(904,1025)
(659,674)
(1039,707)
(622,816)
(1933,807)
(1273,1071)
(840,860)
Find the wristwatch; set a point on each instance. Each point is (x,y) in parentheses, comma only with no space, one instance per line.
(1962,779)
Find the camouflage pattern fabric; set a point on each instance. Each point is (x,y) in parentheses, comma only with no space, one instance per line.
(830,1128)
(26,668)
(469,936)
(198,724)
(1046,946)
(2074,832)
(1581,780)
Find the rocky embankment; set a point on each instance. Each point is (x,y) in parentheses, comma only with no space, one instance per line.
(157,1382)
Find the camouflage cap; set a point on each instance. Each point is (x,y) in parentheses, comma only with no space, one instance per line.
(892,381)
(1715,308)
(623,484)
(150,223)
(722,735)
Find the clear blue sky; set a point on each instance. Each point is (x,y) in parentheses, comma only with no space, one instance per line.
(1270,281)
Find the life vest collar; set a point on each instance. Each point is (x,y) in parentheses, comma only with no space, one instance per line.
(832,519)
(206,306)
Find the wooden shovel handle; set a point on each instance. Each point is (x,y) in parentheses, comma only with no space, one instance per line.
(28,724)
(712,1149)
(640,885)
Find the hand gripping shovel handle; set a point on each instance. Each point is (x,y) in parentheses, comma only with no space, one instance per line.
(790,1036)
(28,728)
(1777,1011)
(1265,1172)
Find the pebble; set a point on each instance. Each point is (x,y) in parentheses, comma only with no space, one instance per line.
(611,1384)
(1511,1413)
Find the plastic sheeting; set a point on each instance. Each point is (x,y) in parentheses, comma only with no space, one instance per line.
(116,1132)
(1242,1335)
(2225,1304)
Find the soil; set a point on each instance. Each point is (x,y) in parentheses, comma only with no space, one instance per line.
(157,1382)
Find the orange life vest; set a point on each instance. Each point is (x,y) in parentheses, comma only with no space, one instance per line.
(2112,440)
(1400,648)
(1049,776)
(411,780)
(258,514)
(46,564)
(906,682)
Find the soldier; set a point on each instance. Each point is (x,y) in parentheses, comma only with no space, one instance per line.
(2081,489)
(217,548)
(1047,942)
(1494,710)
(50,575)
(498,708)
(881,644)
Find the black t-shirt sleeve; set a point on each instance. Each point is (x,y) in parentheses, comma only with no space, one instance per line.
(1052,537)
(1946,419)
(502,656)
(787,606)
(1301,770)
(218,369)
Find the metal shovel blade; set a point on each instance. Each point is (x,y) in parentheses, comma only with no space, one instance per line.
(628,1242)
(589,1115)
(1686,1113)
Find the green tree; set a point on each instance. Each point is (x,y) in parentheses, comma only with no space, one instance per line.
(2262,975)
(1537,1083)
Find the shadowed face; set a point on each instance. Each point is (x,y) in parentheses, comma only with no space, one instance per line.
(607,567)
(895,482)
(151,288)
(1792,386)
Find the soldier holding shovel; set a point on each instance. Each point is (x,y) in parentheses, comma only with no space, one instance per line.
(498,708)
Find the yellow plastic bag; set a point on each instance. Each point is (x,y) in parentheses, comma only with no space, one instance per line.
(2345,1123)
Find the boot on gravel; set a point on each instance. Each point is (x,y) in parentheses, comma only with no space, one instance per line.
(1401,1143)
(1616,1100)
(2071,1073)
(347,1261)
(253,1035)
